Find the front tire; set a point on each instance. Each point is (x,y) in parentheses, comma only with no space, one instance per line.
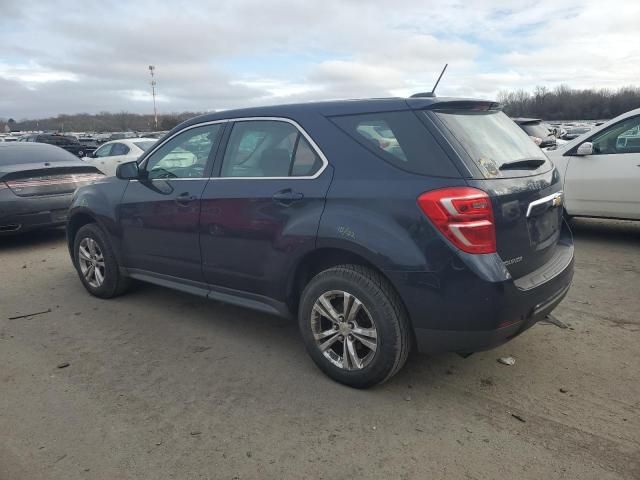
(354,325)
(96,263)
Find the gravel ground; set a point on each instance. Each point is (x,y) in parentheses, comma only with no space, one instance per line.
(164,385)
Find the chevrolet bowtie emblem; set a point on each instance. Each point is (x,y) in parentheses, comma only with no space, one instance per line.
(557,201)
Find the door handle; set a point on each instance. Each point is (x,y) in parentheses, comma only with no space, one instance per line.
(185,199)
(287,197)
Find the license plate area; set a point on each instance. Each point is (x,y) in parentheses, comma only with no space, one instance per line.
(544,225)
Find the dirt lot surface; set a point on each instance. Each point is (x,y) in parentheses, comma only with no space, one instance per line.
(164,385)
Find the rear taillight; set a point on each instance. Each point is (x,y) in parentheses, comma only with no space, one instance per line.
(464,215)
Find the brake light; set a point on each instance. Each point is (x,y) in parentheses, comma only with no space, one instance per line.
(464,215)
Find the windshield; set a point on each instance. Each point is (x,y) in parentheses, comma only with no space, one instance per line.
(144,146)
(535,130)
(491,139)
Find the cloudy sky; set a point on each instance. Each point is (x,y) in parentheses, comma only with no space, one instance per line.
(91,56)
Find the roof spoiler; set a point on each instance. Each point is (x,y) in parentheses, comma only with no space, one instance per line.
(470,105)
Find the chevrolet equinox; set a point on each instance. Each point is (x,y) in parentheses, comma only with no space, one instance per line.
(382,225)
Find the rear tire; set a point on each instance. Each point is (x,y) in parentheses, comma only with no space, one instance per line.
(354,325)
(96,263)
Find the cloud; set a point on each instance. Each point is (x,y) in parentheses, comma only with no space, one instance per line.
(231,54)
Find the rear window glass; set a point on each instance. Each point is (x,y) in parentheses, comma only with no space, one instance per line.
(491,140)
(401,139)
(23,153)
(535,130)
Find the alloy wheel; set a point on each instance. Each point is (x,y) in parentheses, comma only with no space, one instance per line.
(91,262)
(343,330)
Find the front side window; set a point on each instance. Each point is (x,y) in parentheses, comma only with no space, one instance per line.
(268,148)
(623,137)
(185,155)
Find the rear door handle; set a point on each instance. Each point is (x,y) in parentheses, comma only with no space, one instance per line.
(185,199)
(287,196)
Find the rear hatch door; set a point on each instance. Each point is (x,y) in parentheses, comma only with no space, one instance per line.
(525,189)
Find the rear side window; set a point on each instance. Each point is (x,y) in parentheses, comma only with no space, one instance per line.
(401,139)
(268,148)
(492,140)
(119,149)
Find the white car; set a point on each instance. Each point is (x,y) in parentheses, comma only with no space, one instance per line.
(600,170)
(108,156)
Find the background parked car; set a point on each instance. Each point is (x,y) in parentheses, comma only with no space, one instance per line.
(67,142)
(537,130)
(122,135)
(601,169)
(37,182)
(575,132)
(111,154)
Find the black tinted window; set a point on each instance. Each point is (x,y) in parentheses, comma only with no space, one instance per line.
(401,139)
(58,140)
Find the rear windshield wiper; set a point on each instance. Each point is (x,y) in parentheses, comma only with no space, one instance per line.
(525,164)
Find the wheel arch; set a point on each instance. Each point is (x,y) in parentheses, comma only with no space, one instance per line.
(322,259)
(76,221)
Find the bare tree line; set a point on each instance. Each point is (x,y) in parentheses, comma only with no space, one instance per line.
(564,103)
(561,103)
(101,122)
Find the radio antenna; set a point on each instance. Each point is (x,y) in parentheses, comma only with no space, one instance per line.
(432,93)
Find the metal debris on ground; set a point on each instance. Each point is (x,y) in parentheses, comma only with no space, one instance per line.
(552,320)
(48,310)
(518,417)
(507,360)
(63,365)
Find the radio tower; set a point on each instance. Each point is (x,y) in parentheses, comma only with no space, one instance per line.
(152,69)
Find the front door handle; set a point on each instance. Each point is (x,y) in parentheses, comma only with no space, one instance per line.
(185,199)
(287,196)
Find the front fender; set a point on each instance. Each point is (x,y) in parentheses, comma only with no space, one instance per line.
(99,203)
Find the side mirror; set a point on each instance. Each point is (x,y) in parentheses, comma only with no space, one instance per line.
(585,148)
(128,171)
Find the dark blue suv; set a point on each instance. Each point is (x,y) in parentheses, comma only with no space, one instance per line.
(382,225)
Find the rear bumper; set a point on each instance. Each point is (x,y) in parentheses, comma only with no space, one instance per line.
(434,341)
(458,311)
(19,214)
